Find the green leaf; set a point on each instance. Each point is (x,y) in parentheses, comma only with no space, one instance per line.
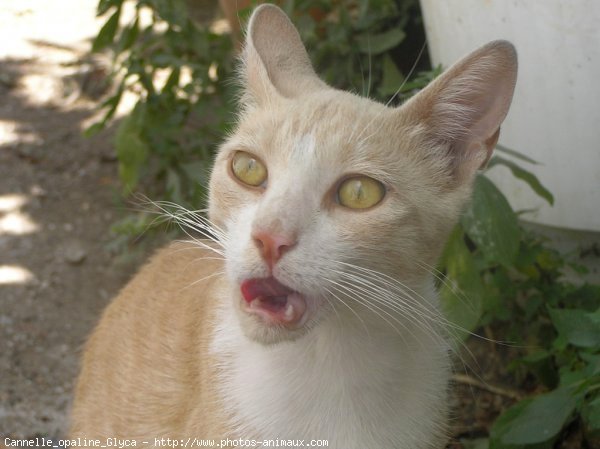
(580,328)
(587,297)
(593,360)
(422,79)
(524,175)
(478,443)
(173,80)
(535,420)
(105,5)
(375,44)
(503,423)
(174,186)
(197,171)
(106,35)
(541,364)
(591,415)
(392,78)
(463,291)
(93,129)
(516,154)
(132,150)
(129,35)
(492,224)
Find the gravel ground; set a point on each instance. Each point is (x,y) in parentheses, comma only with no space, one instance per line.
(58,197)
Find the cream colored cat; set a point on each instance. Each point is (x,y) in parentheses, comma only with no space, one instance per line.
(312,315)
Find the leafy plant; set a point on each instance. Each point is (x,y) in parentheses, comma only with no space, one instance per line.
(501,274)
(176,68)
(358,44)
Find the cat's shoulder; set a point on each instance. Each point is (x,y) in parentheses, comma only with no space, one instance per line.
(177,273)
(185,258)
(181,260)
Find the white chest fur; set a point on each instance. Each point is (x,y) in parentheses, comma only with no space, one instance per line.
(349,382)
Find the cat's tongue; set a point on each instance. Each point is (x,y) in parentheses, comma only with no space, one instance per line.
(273,301)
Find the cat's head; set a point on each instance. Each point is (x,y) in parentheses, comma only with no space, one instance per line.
(327,200)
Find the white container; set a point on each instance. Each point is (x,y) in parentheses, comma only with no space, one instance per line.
(555,114)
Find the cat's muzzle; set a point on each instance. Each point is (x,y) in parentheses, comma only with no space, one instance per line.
(273,303)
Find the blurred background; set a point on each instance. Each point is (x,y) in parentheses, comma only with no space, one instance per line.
(104,101)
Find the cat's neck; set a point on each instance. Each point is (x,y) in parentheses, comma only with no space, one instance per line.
(356,372)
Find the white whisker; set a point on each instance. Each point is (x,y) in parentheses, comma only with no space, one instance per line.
(353,295)
(379,115)
(349,308)
(216,273)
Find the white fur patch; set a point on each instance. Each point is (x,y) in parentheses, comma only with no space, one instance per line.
(304,149)
(339,383)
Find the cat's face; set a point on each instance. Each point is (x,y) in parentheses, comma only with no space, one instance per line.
(325,197)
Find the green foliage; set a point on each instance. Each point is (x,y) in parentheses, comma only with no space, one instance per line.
(503,275)
(176,69)
(523,175)
(356,44)
(491,223)
(577,327)
(462,295)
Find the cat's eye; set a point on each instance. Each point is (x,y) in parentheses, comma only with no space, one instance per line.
(248,169)
(360,192)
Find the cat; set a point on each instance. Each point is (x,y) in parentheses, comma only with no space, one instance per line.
(309,310)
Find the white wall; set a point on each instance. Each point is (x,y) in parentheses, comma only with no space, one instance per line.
(555,115)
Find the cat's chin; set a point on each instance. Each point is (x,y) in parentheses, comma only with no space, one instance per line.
(258,331)
(271,312)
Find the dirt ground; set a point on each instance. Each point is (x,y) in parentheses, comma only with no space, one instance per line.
(58,198)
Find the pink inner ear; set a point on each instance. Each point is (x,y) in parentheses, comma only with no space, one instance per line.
(464,108)
(490,108)
(275,58)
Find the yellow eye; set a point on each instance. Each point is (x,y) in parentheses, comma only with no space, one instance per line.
(248,169)
(360,192)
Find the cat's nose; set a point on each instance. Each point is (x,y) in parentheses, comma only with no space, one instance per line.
(272,246)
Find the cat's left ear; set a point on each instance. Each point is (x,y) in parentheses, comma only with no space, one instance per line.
(275,61)
(461,111)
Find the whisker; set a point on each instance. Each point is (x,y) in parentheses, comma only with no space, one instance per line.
(404,289)
(434,332)
(393,302)
(187,219)
(349,308)
(399,287)
(443,278)
(410,72)
(216,273)
(190,218)
(458,292)
(194,247)
(354,296)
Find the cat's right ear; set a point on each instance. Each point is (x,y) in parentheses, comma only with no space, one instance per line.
(275,61)
(461,111)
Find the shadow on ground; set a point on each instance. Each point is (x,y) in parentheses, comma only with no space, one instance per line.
(58,197)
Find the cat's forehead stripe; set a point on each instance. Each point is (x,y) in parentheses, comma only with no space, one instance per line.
(304,148)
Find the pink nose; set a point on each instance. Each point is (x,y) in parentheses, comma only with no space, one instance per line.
(272,246)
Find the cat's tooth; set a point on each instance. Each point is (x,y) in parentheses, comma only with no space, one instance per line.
(289,312)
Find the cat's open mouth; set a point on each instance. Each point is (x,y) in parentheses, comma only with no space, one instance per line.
(273,302)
